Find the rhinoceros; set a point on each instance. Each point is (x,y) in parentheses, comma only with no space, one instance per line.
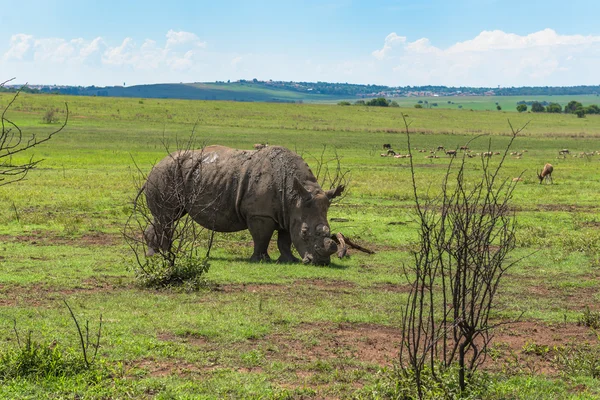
(228,190)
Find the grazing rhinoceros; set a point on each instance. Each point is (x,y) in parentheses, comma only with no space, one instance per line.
(228,190)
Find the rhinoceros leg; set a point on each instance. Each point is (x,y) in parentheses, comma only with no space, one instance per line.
(261,229)
(284,243)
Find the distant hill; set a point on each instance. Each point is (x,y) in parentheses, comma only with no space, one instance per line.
(238,91)
(288,92)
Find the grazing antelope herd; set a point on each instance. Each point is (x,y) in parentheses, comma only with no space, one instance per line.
(544,175)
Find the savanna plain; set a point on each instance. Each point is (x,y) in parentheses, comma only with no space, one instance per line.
(268,330)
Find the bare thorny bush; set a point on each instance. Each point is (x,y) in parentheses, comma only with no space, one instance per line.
(187,259)
(13,142)
(466,235)
(330,173)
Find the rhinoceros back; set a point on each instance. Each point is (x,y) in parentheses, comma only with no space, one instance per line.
(221,188)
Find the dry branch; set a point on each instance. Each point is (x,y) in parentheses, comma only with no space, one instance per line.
(14,141)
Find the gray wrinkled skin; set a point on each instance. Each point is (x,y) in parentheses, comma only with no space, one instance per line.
(229,190)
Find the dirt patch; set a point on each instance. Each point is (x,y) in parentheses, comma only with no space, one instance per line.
(187,337)
(326,284)
(526,346)
(319,284)
(591,224)
(47,238)
(41,294)
(249,287)
(162,368)
(378,344)
(569,297)
(531,346)
(562,207)
(391,287)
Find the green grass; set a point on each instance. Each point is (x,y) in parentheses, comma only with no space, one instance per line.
(268,330)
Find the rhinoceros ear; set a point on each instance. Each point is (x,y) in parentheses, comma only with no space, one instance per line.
(301,190)
(333,193)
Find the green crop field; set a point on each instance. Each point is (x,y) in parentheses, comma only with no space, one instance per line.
(286,331)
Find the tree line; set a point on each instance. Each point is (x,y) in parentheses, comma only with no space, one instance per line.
(573,107)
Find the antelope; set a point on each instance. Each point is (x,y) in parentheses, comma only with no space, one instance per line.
(260,146)
(387,146)
(451,153)
(546,173)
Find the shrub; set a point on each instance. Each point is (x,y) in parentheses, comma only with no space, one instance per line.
(344,103)
(573,106)
(185,271)
(50,116)
(31,359)
(592,109)
(554,108)
(392,383)
(378,102)
(575,361)
(457,269)
(179,265)
(537,107)
(589,318)
(37,360)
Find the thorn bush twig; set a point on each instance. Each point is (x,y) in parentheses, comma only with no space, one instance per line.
(85,344)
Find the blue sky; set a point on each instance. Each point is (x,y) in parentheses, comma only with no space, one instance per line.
(452,42)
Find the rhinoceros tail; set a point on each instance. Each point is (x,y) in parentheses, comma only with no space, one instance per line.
(138,196)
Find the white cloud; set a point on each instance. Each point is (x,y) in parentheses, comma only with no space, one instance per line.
(422,46)
(178,53)
(498,40)
(183,38)
(120,55)
(392,40)
(491,58)
(53,50)
(182,63)
(20,44)
(88,49)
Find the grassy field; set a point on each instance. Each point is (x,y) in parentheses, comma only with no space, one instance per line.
(286,331)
